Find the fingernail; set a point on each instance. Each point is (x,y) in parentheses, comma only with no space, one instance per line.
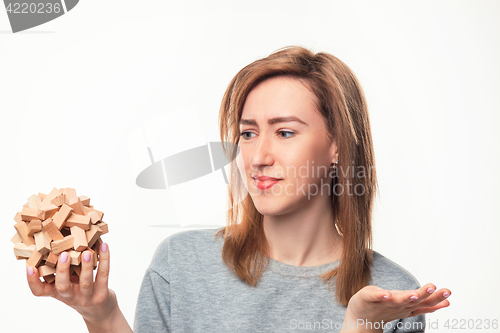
(30,271)
(104,247)
(430,290)
(446,295)
(86,256)
(414,297)
(385,296)
(64,257)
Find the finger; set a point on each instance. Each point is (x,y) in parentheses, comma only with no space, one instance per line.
(436,307)
(423,293)
(63,284)
(402,298)
(38,288)
(87,275)
(375,294)
(436,298)
(102,275)
(426,290)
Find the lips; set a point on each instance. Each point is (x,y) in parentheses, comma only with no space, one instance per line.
(265,182)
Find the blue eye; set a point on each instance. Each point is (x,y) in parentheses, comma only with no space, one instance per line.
(283,137)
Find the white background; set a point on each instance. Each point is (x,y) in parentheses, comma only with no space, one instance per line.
(74,91)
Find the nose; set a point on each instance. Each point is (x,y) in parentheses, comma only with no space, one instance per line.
(261,153)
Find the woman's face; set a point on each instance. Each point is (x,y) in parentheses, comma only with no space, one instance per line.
(295,150)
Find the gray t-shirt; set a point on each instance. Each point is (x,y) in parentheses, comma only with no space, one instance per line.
(188,288)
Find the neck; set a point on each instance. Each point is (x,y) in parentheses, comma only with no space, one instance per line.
(305,237)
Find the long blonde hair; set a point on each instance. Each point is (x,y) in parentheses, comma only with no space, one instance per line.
(341,102)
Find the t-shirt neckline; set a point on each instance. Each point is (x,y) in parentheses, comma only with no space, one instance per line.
(300,271)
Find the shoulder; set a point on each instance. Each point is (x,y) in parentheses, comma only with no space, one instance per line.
(183,247)
(387,274)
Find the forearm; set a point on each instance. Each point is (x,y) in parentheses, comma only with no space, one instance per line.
(116,322)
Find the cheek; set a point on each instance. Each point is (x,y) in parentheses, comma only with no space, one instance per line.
(307,169)
(241,164)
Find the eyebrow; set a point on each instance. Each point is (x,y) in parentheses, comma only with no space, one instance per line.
(272,121)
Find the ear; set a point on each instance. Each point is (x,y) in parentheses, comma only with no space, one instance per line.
(334,154)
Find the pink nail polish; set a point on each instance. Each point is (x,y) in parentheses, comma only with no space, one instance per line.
(385,296)
(446,295)
(430,290)
(413,297)
(86,256)
(30,271)
(64,257)
(104,247)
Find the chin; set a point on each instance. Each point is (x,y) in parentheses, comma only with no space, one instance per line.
(269,206)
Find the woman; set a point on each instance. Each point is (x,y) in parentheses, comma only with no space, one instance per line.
(296,252)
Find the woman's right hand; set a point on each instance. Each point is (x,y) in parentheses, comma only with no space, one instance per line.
(93,300)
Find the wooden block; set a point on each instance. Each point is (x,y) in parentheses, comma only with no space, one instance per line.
(34,226)
(34,201)
(97,247)
(103,226)
(65,231)
(61,216)
(45,256)
(59,200)
(22,231)
(29,214)
(51,260)
(42,196)
(48,198)
(34,260)
(62,245)
(49,211)
(49,278)
(81,221)
(18,218)
(51,230)
(91,209)
(75,257)
(93,234)
(77,206)
(70,194)
(42,242)
(80,239)
(75,269)
(94,217)
(45,270)
(16,239)
(24,251)
(85,200)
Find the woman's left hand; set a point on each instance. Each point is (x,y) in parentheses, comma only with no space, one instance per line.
(373,304)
